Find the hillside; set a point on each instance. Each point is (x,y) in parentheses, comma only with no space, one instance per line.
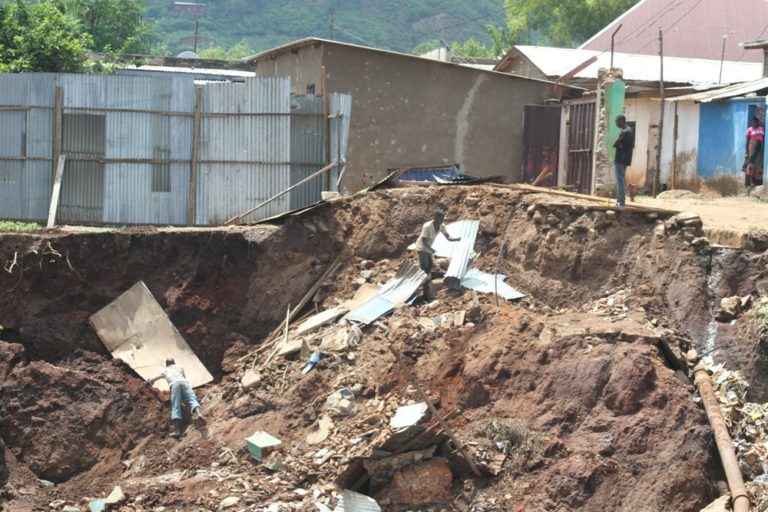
(396,25)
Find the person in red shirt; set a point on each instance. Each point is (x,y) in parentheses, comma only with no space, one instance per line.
(753,153)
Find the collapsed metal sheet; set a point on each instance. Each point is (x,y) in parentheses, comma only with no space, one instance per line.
(482,282)
(407,280)
(462,254)
(355,502)
(462,229)
(135,328)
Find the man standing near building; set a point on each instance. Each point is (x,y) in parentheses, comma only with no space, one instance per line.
(424,246)
(181,390)
(624,145)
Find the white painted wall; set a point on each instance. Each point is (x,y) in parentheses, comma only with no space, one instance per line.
(644,112)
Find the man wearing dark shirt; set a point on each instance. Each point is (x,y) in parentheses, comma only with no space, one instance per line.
(624,145)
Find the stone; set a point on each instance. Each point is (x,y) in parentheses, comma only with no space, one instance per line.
(367,264)
(366,274)
(730,307)
(537,217)
(250,379)
(11,354)
(229,502)
(701,241)
(416,486)
(472,201)
(746,302)
(341,402)
(70,509)
(117,496)
(687,219)
(552,220)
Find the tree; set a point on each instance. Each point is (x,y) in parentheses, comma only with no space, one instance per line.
(40,37)
(240,51)
(116,26)
(566,23)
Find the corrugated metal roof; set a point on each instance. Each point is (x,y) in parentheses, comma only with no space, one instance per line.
(203,72)
(556,62)
(692,28)
(462,254)
(430,173)
(482,282)
(461,228)
(724,93)
(407,280)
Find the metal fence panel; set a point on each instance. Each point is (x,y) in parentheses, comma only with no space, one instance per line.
(581,140)
(340,104)
(307,151)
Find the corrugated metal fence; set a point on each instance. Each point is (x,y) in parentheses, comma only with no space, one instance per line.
(161,149)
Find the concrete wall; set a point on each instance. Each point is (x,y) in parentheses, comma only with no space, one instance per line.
(413,112)
(680,171)
(304,66)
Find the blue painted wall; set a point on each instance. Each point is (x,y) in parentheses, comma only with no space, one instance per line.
(722,136)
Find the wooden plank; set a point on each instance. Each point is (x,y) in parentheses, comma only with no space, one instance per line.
(193,167)
(56,193)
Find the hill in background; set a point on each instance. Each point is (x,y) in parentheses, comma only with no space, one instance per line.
(398,25)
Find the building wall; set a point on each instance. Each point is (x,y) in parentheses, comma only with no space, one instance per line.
(680,171)
(522,66)
(416,112)
(722,136)
(304,66)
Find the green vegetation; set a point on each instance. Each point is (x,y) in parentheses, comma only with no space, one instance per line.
(9,226)
(115,26)
(41,37)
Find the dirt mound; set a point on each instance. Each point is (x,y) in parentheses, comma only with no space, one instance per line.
(64,420)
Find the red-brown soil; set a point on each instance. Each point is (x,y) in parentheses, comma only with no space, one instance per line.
(613,427)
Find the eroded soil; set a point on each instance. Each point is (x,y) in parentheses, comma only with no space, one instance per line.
(611,425)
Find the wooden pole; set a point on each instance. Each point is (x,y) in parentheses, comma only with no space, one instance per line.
(326,131)
(423,394)
(657,174)
(194,164)
(56,192)
(248,212)
(57,119)
(674,151)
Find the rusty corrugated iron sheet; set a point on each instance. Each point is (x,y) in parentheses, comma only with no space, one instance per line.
(692,28)
(541,141)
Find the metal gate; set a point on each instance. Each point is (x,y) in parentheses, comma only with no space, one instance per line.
(580,144)
(541,136)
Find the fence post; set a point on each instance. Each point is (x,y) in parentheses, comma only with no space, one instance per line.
(57,115)
(193,168)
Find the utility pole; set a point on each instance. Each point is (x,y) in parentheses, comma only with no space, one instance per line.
(722,57)
(657,174)
(197,26)
(332,23)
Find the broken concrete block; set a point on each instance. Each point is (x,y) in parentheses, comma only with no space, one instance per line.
(250,379)
(408,415)
(325,425)
(687,219)
(260,444)
(341,402)
(115,497)
(291,346)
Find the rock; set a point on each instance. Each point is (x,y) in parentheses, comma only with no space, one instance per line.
(660,231)
(746,302)
(531,210)
(324,427)
(367,264)
(652,216)
(341,402)
(610,215)
(762,288)
(70,509)
(552,220)
(366,274)
(3,467)
(251,379)
(117,496)
(687,219)
(229,502)
(537,217)
(730,307)
(701,241)
(472,201)
(11,354)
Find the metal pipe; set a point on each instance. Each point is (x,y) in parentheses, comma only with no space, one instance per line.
(612,37)
(739,496)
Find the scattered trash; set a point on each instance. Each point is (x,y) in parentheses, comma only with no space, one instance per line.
(98,505)
(351,501)
(260,444)
(313,360)
(408,415)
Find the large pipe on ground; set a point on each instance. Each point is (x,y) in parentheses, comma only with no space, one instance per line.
(739,495)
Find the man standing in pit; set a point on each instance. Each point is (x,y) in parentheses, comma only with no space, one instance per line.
(424,246)
(181,390)
(624,145)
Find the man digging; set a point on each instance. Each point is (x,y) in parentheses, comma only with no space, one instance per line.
(424,247)
(181,390)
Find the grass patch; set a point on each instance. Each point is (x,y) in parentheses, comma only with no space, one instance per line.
(9,226)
